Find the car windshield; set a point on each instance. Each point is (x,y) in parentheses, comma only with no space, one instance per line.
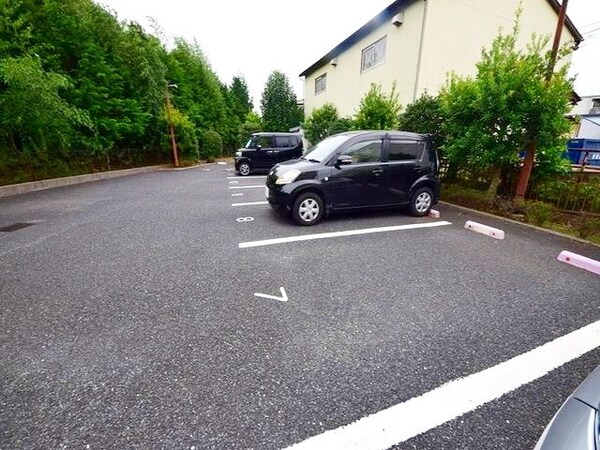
(323,149)
(248,144)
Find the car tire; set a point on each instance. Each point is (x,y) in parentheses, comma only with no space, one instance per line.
(244,169)
(421,202)
(308,209)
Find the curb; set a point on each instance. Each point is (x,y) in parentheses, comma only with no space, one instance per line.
(582,262)
(23,188)
(516,222)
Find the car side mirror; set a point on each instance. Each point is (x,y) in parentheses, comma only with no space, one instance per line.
(343,160)
(258,147)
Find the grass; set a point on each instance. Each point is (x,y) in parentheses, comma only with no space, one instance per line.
(542,214)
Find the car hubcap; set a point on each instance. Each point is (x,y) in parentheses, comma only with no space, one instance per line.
(244,169)
(423,202)
(309,210)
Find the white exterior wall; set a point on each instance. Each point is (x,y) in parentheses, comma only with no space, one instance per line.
(589,127)
(455,33)
(346,85)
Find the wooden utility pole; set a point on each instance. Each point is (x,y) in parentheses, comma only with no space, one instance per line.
(532,144)
(170,124)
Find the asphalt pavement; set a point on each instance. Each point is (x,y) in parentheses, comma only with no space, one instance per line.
(129,318)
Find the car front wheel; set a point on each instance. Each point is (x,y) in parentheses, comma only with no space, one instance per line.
(308,209)
(421,202)
(244,169)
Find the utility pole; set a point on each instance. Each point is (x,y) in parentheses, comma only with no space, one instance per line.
(170,124)
(532,144)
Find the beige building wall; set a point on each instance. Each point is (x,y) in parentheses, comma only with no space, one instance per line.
(455,33)
(346,85)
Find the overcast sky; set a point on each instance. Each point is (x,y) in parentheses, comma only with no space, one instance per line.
(254,37)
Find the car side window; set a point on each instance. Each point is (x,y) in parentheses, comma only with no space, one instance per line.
(264,141)
(405,150)
(283,142)
(366,151)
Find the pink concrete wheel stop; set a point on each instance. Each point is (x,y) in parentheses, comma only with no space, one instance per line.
(484,229)
(580,261)
(434,213)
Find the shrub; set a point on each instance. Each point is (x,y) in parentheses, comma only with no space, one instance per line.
(538,213)
(212,145)
(378,111)
(317,126)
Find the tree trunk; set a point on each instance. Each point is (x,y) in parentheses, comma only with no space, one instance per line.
(493,189)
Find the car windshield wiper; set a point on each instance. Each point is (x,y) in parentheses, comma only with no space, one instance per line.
(313,160)
(302,157)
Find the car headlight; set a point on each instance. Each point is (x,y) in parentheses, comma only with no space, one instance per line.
(288,177)
(238,154)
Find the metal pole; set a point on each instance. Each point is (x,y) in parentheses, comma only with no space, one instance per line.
(171,128)
(532,145)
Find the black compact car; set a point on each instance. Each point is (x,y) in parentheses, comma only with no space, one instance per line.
(355,170)
(264,150)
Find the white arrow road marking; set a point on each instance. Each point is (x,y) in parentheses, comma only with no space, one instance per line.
(283,298)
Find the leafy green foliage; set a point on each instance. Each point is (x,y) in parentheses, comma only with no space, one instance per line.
(489,119)
(82,91)
(240,98)
(425,116)
(212,145)
(378,111)
(34,117)
(185,132)
(317,125)
(279,105)
(251,125)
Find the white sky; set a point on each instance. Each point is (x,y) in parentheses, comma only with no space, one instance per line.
(254,37)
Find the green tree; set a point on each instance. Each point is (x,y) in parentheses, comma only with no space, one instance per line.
(426,116)
(238,91)
(34,117)
(492,117)
(212,145)
(279,105)
(185,133)
(378,111)
(252,124)
(317,126)
(199,92)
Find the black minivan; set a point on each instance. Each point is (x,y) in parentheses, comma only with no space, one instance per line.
(264,150)
(355,170)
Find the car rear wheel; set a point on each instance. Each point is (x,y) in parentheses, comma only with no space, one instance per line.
(308,209)
(244,169)
(421,202)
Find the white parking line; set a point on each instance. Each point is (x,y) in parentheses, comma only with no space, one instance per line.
(309,237)
(249,203)
(406,420)
(247,177)
(247,187)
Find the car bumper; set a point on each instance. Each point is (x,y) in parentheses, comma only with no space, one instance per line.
(278,196)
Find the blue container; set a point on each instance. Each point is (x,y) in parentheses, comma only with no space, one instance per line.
(576,150)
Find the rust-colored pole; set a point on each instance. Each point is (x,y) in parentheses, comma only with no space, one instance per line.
(171,128)
(532,145)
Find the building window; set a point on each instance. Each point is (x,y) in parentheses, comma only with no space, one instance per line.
(373,55)
(321,84)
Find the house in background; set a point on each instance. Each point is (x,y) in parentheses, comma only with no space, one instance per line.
(588,112)
(416,43)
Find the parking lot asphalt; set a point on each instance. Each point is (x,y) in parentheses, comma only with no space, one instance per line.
(128,318)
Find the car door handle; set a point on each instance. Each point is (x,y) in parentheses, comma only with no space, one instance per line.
(377,172)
